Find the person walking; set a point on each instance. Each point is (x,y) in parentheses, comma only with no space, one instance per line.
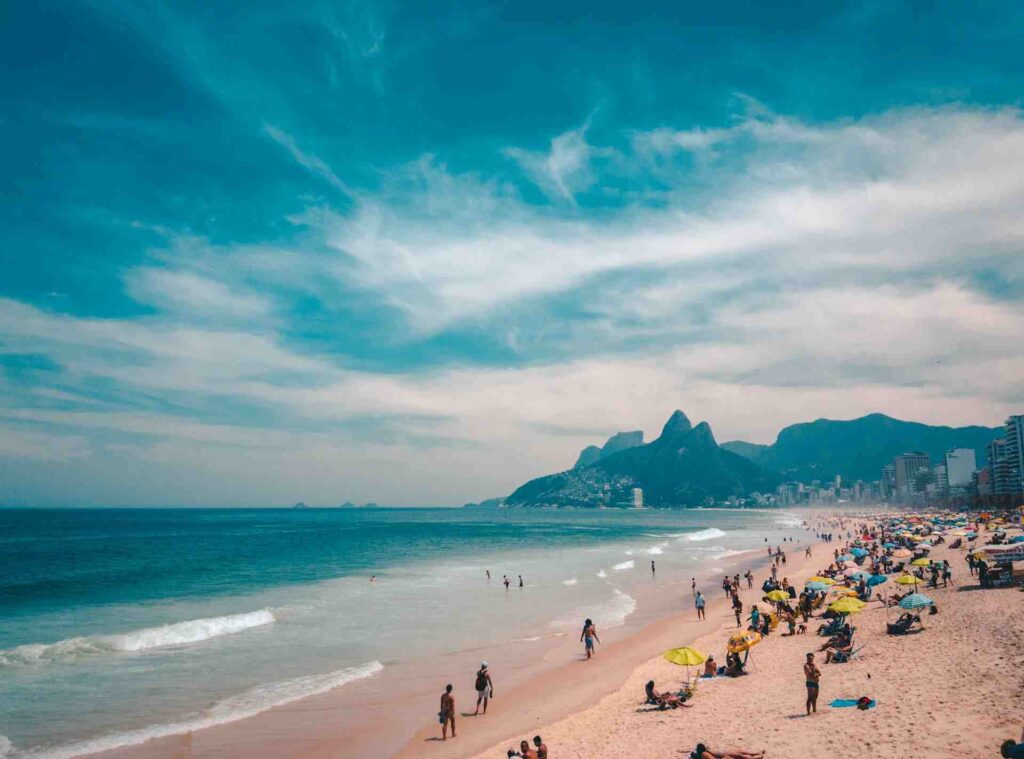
(699,603)
(484,688)
(589,637)
(447,713)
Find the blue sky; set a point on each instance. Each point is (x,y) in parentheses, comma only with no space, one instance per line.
(418,253)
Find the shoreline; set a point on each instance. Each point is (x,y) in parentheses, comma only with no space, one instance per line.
(372,717)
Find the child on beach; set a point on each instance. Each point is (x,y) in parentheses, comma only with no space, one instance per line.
(447,713)
(588,637)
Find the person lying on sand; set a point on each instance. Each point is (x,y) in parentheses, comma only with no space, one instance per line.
(703,752)
(671,700)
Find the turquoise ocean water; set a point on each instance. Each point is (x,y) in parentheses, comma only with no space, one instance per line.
(120,625)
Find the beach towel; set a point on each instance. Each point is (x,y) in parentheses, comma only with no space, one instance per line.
(841,702)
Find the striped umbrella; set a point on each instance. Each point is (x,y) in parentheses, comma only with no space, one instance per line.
(876,580)
(916,601)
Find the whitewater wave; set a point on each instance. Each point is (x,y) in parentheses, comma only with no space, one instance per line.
(709,534)
(655,551)
(602,574)
(723,554)
(571,581)
(623,565)
(611,612)
(177,634)
(789,521)
(6,747)
(246,704)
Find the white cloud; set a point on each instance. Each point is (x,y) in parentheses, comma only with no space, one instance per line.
(564,169)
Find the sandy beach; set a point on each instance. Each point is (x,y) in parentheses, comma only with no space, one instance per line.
(955,689)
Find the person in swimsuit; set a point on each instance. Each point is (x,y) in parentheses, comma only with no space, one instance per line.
(484,688)
(811,676)
(525,751)
(447,714)
(699,603)
(542,750)
(588,637)
(703,752)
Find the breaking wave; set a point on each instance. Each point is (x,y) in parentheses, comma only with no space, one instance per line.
(177,634)
(246,704)
(708,534)
(624,565)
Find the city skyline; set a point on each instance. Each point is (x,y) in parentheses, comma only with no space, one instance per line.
(363,252)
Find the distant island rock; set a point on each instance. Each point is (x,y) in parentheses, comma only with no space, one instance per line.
(300,505)
(490,503)
(683,467)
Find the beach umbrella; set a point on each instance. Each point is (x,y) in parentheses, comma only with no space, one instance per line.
(908,580)
(815,585)
(901,553)
(850,571)
(858,576)
(844,557)
(916,601)
(876,580)
(922,562)
(847,605)
(823,580)
(888,545)
(686,657)
(743,641)
(858,552)
(1017,539)
(777,595)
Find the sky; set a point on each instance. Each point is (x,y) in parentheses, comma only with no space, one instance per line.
(418,253)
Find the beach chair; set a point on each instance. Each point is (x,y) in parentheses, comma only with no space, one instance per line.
(840,657)
(902,626)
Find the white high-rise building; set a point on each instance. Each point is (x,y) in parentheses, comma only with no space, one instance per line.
(638,498)
(960,465)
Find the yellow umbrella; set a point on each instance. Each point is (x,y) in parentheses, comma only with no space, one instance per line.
(847,605)
(742,641)
(922,562)
(686,656)
(777,595)
(908,580)
(825,580)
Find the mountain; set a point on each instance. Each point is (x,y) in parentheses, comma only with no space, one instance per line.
(857,449)
(489,503)
(683,467)
(620,441)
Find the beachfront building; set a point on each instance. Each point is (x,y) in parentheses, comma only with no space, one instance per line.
(912,474)
(960,465)
(1013,434)
(638,498)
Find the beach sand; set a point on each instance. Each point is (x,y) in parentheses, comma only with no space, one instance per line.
(956,689)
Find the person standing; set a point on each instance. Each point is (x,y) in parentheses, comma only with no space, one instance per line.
(750,579)
(484,688)
(542,749)
(447,713)
(520,581)
(738,611)
(699,603)
(588,637)
(693,585)
(652,566)
(506,581)
(947,573)
(812,676)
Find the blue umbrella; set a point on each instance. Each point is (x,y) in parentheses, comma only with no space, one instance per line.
(889,545)
(859,552)
(876,580)
(916,601)
(1018,539)
(972,535)
(860,576)
(845,557)
(815,585)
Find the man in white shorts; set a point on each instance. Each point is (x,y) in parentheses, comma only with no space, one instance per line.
(484,688)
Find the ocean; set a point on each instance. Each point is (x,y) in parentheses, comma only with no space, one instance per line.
(121,625)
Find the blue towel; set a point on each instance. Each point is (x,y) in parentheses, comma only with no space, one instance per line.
(840,702)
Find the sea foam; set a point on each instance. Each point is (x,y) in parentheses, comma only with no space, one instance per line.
(708,534)
(177,634)
(571,581)
(246,704)
(622,565)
